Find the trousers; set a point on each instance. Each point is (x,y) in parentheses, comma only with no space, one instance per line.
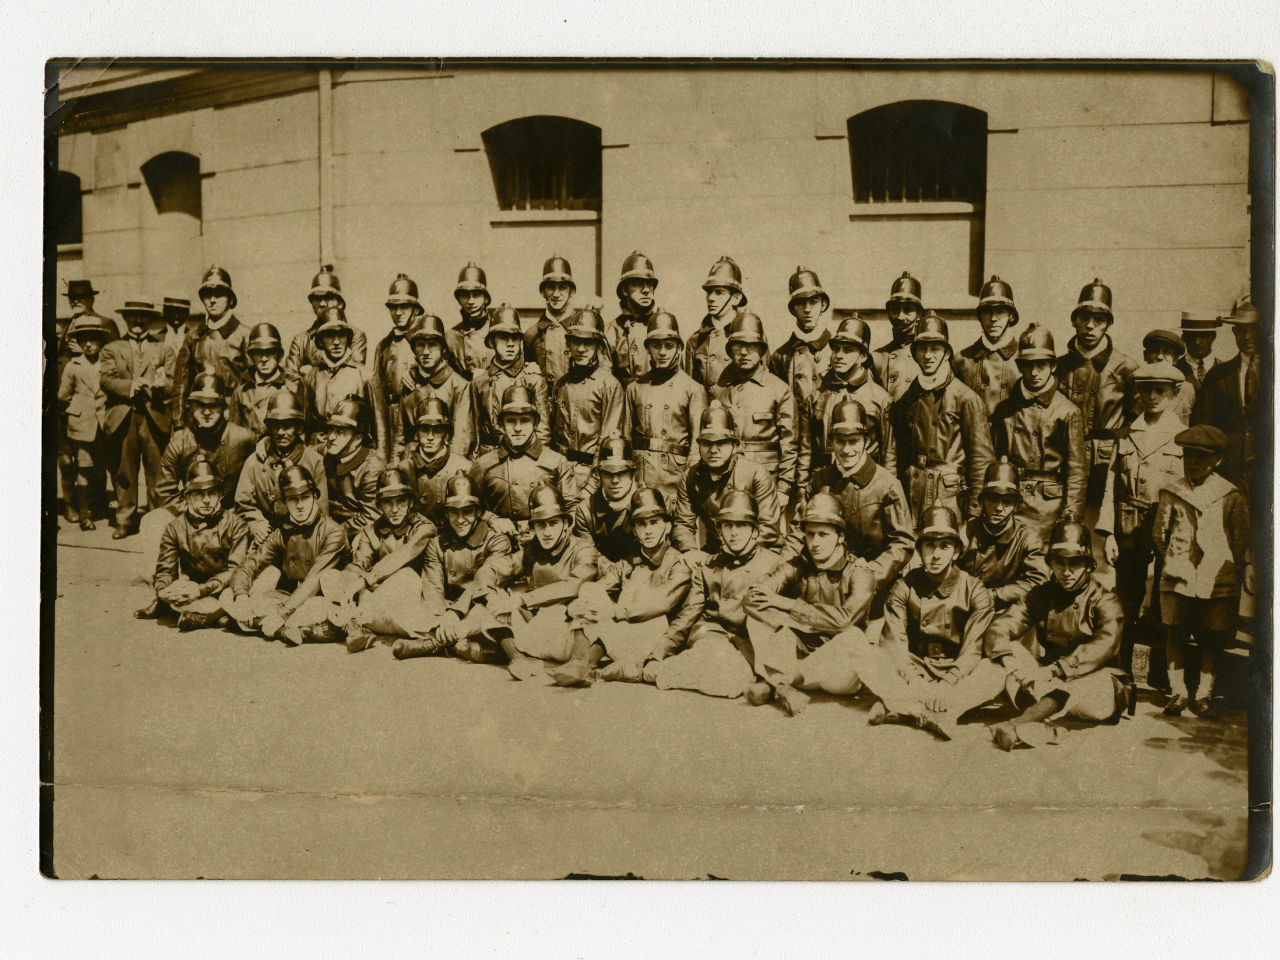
(136,440)
(780,657)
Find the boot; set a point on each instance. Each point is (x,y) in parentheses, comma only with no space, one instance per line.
(520,666)
(70,511)
(792,700)
(120,532)
(407,648)
(470,650)
(575,672)
(759,693)
(359,637)
(880,714)
(82,502)
(931,721)
(149,611)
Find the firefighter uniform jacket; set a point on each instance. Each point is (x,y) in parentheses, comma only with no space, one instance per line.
(487,389)
(989,373)
(607,524)
(700,494)
(1102,387)
(1010,562)
(1080,631)
(248,402)
(706,352)
(826,600)
(444,384)
(505,479)
(302,552)
(587,407)
(546,346)
(428,478)
(326,383)
(1043,436)
(1146,461)
(381,550)
(663,409)
(815,438)
(221,348)
(764,410)
(942,624)
(894,366)
(466,342)
(630,355)
(451,562)
(803,366)
(227,448)
(392,360)
(353,489)
(943,445)
(550,576)
(716,591)
(205,550)
(258,490)
(304,354)
(644,587)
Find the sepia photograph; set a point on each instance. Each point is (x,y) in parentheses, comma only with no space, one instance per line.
(536,469)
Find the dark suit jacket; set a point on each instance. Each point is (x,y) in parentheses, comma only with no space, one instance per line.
(1220,404)
(118,375)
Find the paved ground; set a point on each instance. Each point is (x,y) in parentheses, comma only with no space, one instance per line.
(209,754)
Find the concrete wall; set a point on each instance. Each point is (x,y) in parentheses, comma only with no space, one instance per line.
(1136,177)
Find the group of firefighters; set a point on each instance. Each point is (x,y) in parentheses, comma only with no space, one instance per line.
(580,499)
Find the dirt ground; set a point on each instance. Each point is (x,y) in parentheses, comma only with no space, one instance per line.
(210,754)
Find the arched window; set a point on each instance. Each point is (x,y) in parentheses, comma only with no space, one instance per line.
(919,151)
(545,163)
(68,226)
(174,182)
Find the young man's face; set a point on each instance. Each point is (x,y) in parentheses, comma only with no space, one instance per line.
(549,532)
(1091,326)
(746,356)
(736,535)
(334,343)
(1159,351)
(204,503)
(847,358)
(1036,373)
(999,507)
(471,302)
(616,483)
(720,299)
(395,509)
(175,316)
(342,440)
(462,519)
(206,414)
(652,531)
(640,292)
(265,362)
(1200,344)
(432,438)
(322,301)
(283,434)
(79,305)
(1070,572)
(995,322)
(402,314)
(930,356)
(90,346)
(507,347)
(1246,338)
(136,322)
(300,506)
(557,294)
(903,315)
(808,312)
(937,554)
(518,428)
(663,353)
(849,450)
(215,303)
(716,453)
(1156,395)
(1198,464)
(428,351)
(582,350)
(822,541)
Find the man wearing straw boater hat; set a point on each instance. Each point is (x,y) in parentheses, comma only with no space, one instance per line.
(1199,333)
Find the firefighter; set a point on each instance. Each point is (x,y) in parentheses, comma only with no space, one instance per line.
(352,466)
(664,407)
(304,351)
(988,366)
(604,517)
(510,365)
(706,354)
(217,342)
(433,374)
(588,401)
(337,373)
(544,343)
(1000,549)
(636,289)
(429,462)
(1041,432)
(940,429)
(208,433)
(468,337)
(804,360)
(895,367)
(393,358)
(249,400)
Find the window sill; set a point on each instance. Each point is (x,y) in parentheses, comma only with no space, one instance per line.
(545,216)
(70,250)
(910,210)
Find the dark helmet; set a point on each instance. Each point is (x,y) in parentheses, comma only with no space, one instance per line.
(636,267)
(663,326)
(283,405)
(263,336)
(615,454)
(460,491)
(1036,343)
(823,508)
(296,479)
(207,385)
(434,412)
(403,290)
(1001,477)
(472,277)
(1070,538)
(545,502)
(332,320)
(391,483)
(557,270)
(717,423)
(848,418)
(202,475)
(518,399)
(215,278)
(325,284)
(853,329)
(997,293)
(931,328)
(939,523)
(426,326)
(805,284)
(738,505)
(1166,337)
(506,319)
(746,327)
(648,502)
(725,273)
(349,412)
(907,288)
(587,324)
(1094,296)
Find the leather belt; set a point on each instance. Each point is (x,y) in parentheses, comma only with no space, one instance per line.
(1039,475)
(577,456)
(761,446)
(660,446)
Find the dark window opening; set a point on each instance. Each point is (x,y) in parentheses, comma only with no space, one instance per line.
(918,151)
(174,181)
(545,163)
(68,223)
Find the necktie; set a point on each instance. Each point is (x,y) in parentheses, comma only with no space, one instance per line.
(1200,371)
(1251,381)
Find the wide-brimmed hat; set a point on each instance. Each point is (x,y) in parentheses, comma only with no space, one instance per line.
(79,289)
(90,325)
(1192,324)
(138,305)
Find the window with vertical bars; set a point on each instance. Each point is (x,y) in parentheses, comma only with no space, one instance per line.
(919,151)
(545,163)
(68,224)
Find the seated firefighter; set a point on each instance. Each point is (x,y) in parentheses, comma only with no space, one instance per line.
(929,668)
(1077,623)
(1002,550)
(624,615)
(799,617)
(711,625)
(604,517)
(199,550)
(429,463)
(352,467)
(495,620)
(275,591)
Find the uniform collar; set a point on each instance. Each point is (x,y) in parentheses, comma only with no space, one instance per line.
(1007,347)
(437,379)
(223,326)
(467,324)
(735,560)
(435,464)
(602,506)
(839,560)
(862,476)
(275,381)
(343,467)
(660,375)
(411,520)
(734,374)
(333,366)
(268,455)
(580,374)
(211,440)
(937,382)
(204,523)
(943,587)
(1044,397)
(532,449)
(1002,536)
(513,370)
(816,340)
(654,562)
(1100,354)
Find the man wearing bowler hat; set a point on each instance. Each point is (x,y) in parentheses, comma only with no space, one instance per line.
(80,296)
(217,343)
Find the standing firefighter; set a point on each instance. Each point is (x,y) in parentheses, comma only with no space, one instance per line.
(895,367)
(304,351)
(940,429)
(510,366)
(706,353)
(664,407)
(804,359)
(249,400)
(588,401)
(467,338)
(218,342)
(393,359)
(336,375)
(988,366)
(544,342)
(636,289)
(433,375)
(429,464)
